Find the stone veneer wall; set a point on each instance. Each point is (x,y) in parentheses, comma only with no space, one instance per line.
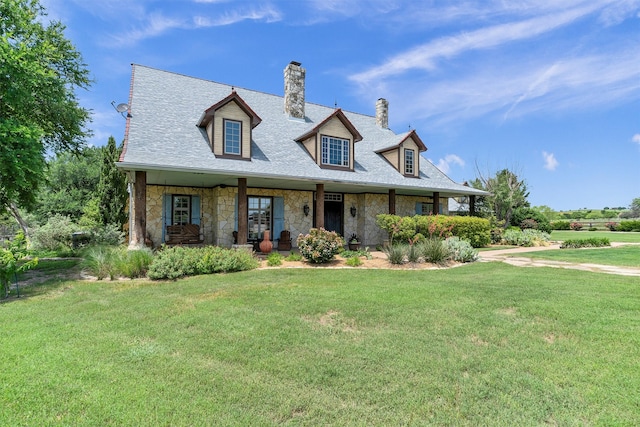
(218,210)
(294,219)
(154,210)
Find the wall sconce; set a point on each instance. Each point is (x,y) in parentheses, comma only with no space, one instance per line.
(354,211)
(305,209)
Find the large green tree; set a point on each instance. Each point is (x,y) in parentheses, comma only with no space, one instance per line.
(112,188)
(508,192)
(40,70)
(71,181)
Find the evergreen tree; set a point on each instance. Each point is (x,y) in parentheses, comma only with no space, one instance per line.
(112,188)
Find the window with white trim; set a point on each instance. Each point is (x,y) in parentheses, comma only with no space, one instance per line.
(259,216)
(408,162)
(181,210)
(232,139)
(335,151)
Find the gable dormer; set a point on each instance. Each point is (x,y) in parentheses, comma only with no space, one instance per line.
(331,143)
(229,124)
(404,156)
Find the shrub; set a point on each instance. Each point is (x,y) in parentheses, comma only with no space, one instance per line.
(561,225)
(100,261)
(594,242)
(575,226)
(320,245)
(611,226)
(274,259)
(134,263)
(354,261)
(413,253)
(399,229)
(360,252)
(593,229)
(523,216)
(13,261)
(526,238)
(110,234)
(402,229)
(294,256)
(396,253)
(477,231)
(55,235)
(435,251)
(461,250)
(629,226)
(175,262)
(496,235)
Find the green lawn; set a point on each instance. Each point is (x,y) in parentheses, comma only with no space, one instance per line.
(613,236)
(626,256)
(482,344)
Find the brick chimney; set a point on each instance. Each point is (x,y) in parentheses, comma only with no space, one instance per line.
(382,113)
(294,90)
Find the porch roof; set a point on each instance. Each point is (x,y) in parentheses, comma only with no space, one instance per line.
(163,138)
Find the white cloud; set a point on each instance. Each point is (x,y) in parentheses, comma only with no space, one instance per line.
(636,138)
(445,164)
(550,162)
(426,56)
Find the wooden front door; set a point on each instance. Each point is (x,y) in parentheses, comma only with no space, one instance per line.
(333,216)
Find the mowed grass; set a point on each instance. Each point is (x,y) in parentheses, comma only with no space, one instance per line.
(624,256)
(482,344)
(613,236)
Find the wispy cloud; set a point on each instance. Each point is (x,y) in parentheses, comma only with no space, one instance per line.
(155,24)
(636,138)
(267,14)
(427,56)
(445,164)
(550,162)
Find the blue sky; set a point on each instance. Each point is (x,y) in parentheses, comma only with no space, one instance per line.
(548,89)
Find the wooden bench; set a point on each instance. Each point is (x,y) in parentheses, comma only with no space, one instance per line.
(187,234)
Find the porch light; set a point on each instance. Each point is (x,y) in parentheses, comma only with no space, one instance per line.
(305,209)
(354,211)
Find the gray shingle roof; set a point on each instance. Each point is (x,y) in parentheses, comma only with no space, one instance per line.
(163,133)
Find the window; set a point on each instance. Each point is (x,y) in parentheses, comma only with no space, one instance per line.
(181,212)
(427,208)
(408,162)
(259,216)
(335,151)
(232,131)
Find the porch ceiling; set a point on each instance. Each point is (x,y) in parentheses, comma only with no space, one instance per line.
(209,180)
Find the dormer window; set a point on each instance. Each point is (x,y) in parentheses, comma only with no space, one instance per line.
(335,151)
(402,155)
(232,137)
(408,162)
(228,125)
(331,142)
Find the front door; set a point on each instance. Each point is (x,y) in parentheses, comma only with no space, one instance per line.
(333,216)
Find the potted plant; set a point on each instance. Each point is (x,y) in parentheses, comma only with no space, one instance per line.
(354,243)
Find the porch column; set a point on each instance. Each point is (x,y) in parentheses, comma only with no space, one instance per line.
(139,210)
(242,211)
(319,205)
(436,202)
(392,202)
(472,205)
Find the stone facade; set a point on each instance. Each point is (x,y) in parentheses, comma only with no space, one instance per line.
(294,96)
(218,211)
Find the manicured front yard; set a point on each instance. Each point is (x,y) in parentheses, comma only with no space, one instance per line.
(482,344)
(613,236)
(625,256)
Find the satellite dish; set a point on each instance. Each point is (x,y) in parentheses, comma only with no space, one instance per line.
(121,108)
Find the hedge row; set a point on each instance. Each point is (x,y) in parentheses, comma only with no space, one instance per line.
(594,242)
(476,231)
